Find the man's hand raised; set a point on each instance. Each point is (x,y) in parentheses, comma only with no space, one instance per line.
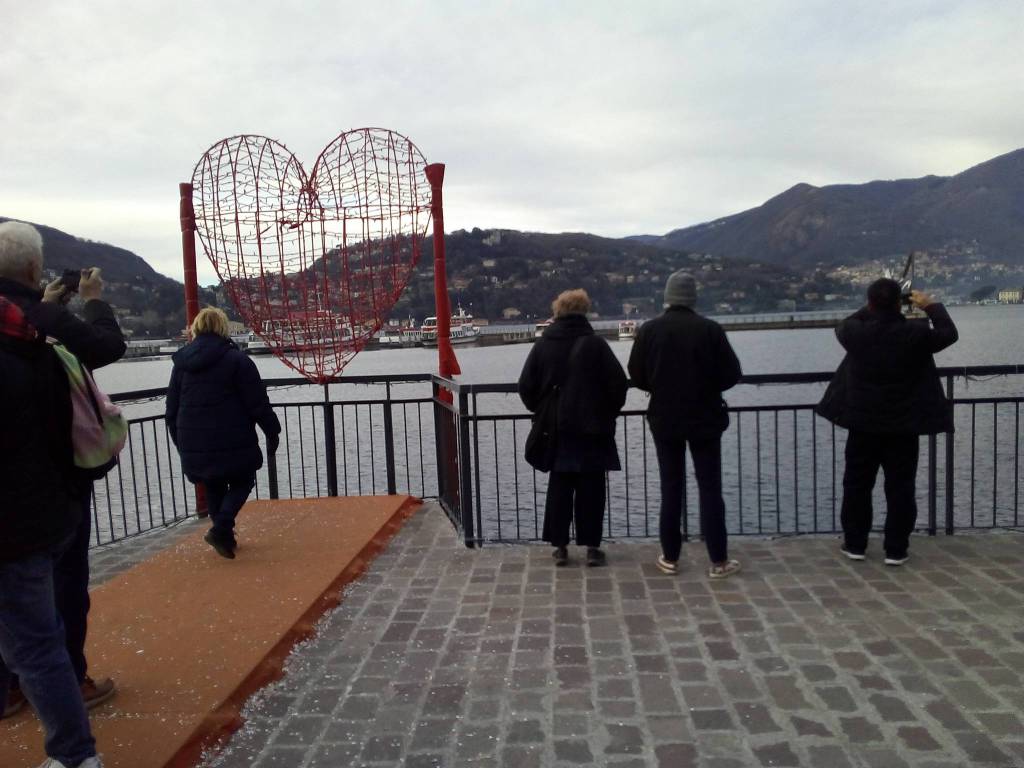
(91,285)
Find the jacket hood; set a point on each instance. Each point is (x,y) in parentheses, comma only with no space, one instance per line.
(203,352)
(568,327)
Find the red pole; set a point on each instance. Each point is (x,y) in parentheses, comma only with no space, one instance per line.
(187,216)
(447,364)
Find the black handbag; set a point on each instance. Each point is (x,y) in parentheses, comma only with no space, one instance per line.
(542,442)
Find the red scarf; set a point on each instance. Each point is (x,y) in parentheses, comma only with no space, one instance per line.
(13,322)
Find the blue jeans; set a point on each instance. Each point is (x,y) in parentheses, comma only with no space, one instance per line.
(32,644)
(71,593)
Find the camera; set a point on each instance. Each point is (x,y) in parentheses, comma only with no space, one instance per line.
(905,279)
(71,280)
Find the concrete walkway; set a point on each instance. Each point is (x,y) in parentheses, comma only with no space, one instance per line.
(443,656)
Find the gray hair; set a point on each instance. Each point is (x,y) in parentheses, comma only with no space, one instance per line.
(21,250)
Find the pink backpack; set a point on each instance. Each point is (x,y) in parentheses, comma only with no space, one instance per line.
(98,428)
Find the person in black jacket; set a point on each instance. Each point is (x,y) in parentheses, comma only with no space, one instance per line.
(214,402)
(575,385)
(38,511)
(887,393)
(96,341)
(685,362)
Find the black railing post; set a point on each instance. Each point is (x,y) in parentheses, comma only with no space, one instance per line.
(950,524)
(465,471)
(272,474)
(933,474)
(389,442)
(441,461)
(330,445)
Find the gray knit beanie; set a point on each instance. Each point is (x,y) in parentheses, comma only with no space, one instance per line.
(681,290)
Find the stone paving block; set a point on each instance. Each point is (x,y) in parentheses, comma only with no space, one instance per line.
(757,718)
(676,756)
(980,748)
(918,738)
(780,754)
(573,751)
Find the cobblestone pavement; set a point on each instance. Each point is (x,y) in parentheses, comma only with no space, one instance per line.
(443,656)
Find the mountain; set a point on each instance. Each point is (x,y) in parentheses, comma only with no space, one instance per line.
(146,302)
(507,273)
(976,213)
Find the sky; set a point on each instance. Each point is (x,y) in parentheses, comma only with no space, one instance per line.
(606,117)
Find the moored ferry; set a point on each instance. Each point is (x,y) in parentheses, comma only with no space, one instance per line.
(541,327)
(461,331)
(627,329)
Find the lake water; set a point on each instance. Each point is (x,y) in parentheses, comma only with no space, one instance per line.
(782,471)
(988,336)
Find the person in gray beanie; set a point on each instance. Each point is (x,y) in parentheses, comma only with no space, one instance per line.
(681,290)
(685,361)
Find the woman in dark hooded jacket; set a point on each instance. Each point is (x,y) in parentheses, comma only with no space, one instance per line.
(576,387)
(214,402)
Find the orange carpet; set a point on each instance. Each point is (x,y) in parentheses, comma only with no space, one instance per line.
(189,635)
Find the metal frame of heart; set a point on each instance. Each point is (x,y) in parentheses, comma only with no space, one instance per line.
(314,264)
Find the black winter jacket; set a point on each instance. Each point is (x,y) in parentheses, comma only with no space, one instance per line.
(593,391)
(96,341)
(36,458)
(214,402)
(685,361)
(887,383)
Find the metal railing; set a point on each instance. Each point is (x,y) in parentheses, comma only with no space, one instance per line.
(463,445)
(781,463)
(369,443)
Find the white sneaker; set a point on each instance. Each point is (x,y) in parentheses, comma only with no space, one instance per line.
(92,762)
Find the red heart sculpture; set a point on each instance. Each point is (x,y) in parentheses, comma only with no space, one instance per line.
(314,265)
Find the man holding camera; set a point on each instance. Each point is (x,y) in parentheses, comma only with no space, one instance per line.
(887,393)
(96,341)
(40,510)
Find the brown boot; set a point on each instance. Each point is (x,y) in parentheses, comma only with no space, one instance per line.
(95,692)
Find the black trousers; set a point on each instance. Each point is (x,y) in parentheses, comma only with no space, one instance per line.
(707,465)
(578,495)
(224,498)
(897,457)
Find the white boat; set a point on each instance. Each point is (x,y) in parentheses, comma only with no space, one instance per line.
(394,334)
(254,345)
(541,327)
(627,329)
(461,331)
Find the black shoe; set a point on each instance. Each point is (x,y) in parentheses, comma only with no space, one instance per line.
(595,557)
(224,549)
(851,553)
(561,555)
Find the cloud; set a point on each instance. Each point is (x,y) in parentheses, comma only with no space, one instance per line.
(591,116)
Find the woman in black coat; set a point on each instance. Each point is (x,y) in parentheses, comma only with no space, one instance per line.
(575,386)
(214,402)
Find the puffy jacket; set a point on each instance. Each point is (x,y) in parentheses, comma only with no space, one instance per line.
(593,391)
(214,402)
(685,361)
(887,383)
(36,458)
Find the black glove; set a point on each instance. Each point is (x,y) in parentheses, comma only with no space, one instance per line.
(272,442)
